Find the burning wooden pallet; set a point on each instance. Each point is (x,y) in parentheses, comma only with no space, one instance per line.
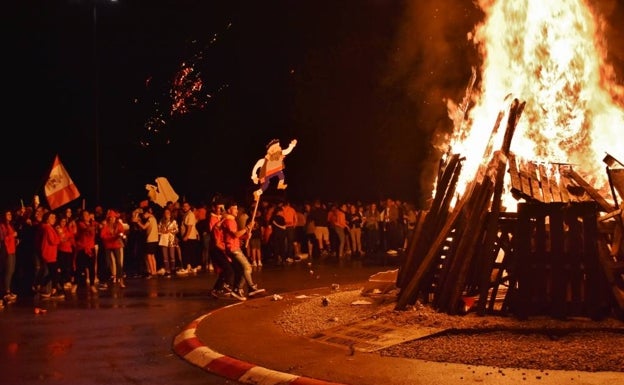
(551,183)
(475,250)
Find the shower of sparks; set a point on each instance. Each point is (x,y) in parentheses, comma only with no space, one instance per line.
(186,91)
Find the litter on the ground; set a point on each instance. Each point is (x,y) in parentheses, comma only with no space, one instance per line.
(361,302)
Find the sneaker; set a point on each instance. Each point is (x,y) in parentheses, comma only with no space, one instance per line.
(182,272)
(161,271)
(238,294)
(255,291)
(214,293)
(10,297)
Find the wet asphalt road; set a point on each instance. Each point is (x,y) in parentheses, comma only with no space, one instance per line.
(124,336)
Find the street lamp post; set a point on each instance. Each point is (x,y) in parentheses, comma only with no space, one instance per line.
(96,106)
(96,91)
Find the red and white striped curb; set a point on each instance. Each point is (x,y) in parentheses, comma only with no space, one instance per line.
(189,347)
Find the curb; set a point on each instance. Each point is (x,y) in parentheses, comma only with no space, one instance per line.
(190,348)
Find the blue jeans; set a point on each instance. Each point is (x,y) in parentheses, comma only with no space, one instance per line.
(242,269)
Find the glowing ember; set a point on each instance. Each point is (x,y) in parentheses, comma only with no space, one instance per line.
(551,54)
(187,92)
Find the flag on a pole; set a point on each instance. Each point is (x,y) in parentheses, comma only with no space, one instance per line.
(60,189)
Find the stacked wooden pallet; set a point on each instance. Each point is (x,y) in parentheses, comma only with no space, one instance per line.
(546,261)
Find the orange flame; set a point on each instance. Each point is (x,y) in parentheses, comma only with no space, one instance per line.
(551,54)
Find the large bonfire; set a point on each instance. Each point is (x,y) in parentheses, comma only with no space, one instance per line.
(552,55)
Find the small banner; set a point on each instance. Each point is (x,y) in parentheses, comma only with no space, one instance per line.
(60,189)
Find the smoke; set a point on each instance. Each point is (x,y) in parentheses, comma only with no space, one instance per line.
(613,13)
(432,62)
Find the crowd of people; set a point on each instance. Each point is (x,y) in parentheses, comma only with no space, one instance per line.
(52,254)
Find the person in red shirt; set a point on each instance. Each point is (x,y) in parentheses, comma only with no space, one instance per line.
(49,253)
(66,253)
(112,235)
(290,217)
(9,244)
(86,228)
(338,222)
(221,262)
(242,267)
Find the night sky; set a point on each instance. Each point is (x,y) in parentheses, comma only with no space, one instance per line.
(359,83)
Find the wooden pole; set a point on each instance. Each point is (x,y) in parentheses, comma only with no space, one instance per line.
(252,223)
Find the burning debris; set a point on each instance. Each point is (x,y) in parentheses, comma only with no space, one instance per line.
(533,228)
(555,256)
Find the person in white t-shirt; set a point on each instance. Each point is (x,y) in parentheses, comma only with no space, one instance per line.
(150,226)
(190,245)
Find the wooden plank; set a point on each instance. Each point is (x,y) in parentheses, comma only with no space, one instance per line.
(616,176)
(544,181)
(487,256)
(437,213)
(539,262)
(554,189)
(617,240)
(536,190)
(456,277)
(596,300)
(595,195)
(612,214)
(516,184)
(564,182)
(409,294)
(559,273)
(525,179)
(610,273)
(517,300)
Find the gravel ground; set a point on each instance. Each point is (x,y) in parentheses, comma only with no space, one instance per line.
(504,342)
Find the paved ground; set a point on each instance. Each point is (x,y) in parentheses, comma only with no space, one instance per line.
(158,331)
(125,336)
(242,342)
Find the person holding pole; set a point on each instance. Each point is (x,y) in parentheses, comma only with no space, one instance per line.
(242,267)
